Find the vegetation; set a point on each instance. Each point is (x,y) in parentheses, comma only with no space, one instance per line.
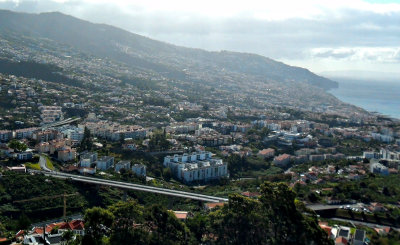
(17,145)
(35,166)
(87,142)
(270,220)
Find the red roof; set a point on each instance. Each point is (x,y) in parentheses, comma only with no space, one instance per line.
(181,214)
(72,225)
(20,233)
(326,228)
(212,205)
(341,240)
(250,194)
(266,151)
(282,157)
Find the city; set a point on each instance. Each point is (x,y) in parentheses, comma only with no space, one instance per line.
(138,141)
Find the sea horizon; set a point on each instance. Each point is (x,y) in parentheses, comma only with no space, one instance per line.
(381,96)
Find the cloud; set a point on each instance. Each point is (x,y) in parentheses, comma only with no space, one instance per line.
(381,55)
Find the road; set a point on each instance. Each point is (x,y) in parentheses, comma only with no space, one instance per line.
(371,225)
(55,124)
(43,163)
(131,186)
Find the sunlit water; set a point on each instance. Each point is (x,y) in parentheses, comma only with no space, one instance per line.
(377,96)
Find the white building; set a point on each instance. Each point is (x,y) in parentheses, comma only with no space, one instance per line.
(198,166)
(379,169)
(139,169)
(5,135)
(75,134)
(370,155)
(104,163)
(122,165)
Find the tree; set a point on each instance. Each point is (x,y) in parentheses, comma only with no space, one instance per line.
(68,236)
(199,226)
(167,174)
(17,145)
(86,143)
(23,222)
(273,219)
(159,142)
(127,226)
(165,227)
(98,222)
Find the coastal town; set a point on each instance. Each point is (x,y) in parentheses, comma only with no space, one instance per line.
(324,157)
(109,137)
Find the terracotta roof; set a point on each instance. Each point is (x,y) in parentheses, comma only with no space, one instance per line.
(266,151)
(250,194)
(212,205)
(341,240)
(181,214)
(20,233)
(282,157)
(326,228)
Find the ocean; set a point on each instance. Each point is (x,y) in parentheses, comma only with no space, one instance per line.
(373,96)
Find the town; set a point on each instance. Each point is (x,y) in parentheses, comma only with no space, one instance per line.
(348,164)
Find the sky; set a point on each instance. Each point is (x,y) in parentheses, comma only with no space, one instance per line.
(321,35)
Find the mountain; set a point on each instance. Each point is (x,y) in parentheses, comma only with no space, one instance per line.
(90,52)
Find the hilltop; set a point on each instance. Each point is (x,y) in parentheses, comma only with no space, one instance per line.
(88,54)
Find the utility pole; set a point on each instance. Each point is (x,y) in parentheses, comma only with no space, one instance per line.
(65,206)
(64,196)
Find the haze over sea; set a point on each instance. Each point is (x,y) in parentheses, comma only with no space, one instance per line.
(373,96)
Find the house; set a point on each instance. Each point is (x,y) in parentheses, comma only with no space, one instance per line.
(139,169)
(66,154)
(23,156)
(266,153)
(24,133)
(251,194)
(47,135)
(282,160)
(341,241)
(75,134)
(181,215)
(20,169)
(328,229)
(51,239)
(104,163)
(211,205)
(359,237)
(83,170)
(5,135)
(35,236)
(122,165)
(87,158)
(344,232)
(378,168)
(43,147)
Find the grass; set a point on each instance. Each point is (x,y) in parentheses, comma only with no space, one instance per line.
(49,163)
(35,166)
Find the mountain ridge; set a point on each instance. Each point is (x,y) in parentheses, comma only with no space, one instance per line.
(137,50)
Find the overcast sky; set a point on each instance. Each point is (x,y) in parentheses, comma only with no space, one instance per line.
(322,35)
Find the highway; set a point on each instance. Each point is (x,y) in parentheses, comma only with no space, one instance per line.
(131,186)
(60,123)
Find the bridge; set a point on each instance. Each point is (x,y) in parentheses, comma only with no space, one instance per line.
(60,123)
(132,186)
